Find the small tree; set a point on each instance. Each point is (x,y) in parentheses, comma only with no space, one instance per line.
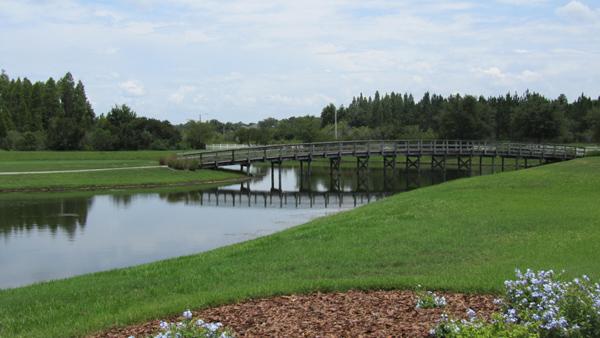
(197,134)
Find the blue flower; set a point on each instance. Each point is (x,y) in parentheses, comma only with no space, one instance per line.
(187,314)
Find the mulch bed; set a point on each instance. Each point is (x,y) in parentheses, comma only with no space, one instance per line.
(347,314)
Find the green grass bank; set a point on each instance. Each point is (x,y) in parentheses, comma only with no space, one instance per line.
(465,235)
(13,161)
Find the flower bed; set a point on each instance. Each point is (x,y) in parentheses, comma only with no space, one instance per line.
(536,304)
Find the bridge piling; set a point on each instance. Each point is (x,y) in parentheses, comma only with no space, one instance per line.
(334,173)
(362,173)
(413,163)
(464,163)
(438,162)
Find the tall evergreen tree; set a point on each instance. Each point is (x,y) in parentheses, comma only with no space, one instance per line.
(36,107)
(50,102)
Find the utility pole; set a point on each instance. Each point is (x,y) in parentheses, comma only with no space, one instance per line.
(335,123)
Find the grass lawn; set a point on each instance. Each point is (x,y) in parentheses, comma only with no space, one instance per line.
(11,161)
(68,160)
(465,235)
(111,179)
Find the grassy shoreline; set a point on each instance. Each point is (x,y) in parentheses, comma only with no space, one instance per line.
(123,179)
(100,180)
(466,235)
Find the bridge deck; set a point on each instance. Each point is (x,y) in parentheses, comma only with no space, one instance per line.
(448,148)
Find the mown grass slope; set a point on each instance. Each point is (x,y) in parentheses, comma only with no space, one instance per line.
(465,235)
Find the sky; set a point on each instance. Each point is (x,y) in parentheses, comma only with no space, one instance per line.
(246,60)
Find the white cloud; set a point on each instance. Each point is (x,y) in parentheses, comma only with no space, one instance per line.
(132,88)
(196,36)
(111,51)
(494,72)
(251,59)
(523,2)
(500,76)
(180,94)
(578,11)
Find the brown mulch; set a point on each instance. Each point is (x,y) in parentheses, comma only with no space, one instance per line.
(348,314)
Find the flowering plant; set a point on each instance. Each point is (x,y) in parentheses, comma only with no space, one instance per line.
(536,304)
(190,328)
(428,299)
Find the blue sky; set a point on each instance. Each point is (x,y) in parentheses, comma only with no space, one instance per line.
(247,60)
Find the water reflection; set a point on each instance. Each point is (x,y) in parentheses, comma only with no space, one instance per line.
(320,190)
(56,235)
(65,214)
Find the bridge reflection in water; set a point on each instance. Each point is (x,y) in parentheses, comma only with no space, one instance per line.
(275,199)
(348,189)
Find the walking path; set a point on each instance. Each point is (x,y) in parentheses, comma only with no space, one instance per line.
(76,170)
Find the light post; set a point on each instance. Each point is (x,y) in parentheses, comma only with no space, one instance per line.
(335,122)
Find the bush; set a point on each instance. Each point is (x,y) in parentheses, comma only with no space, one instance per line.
(428,299)
(180,163)
(164,160)
(188,328)
(478,328)
(538,305)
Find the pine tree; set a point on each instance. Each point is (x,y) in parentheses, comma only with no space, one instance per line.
(36,106)
(50,102)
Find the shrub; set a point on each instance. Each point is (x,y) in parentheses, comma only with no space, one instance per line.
(537,304)
(428,299)
(190,328)
(478,328)
(180,163)
(165,160)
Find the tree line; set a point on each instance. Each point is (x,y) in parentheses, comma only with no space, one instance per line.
(57,115)
(528,117)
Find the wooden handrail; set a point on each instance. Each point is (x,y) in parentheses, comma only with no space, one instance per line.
(366,148)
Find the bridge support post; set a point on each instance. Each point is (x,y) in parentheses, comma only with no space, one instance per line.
(305,174)
(245,186)
(526,164)
(362,173)
(438,162)
(389,164)
(493,164)
(245,166)
(502,163)
(480,165)
(273,164)
(413,163)
(464,163)
(334,173)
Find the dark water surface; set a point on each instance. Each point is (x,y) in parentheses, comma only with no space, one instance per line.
(47,236)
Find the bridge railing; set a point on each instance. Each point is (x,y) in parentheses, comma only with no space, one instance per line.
(385,147)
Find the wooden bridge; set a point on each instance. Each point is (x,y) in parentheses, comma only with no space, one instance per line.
(413,150)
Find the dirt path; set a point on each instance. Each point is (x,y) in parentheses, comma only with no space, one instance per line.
(347,314)
(77,170)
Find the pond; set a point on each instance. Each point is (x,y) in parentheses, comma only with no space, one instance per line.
(46,236)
